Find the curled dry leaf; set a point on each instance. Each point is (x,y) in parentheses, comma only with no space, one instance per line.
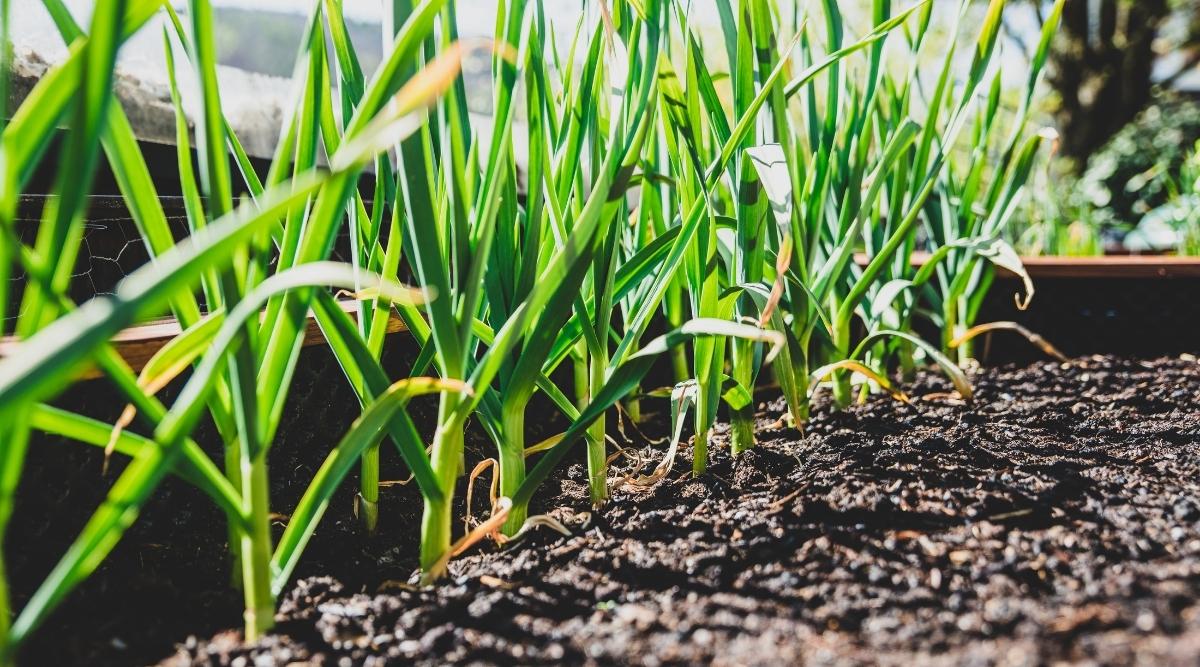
(479,469)
(1039,342)
(490,527)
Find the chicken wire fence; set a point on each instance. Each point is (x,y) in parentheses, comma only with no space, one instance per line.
(112,247)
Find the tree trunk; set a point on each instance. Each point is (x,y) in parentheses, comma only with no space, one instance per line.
(1101,68)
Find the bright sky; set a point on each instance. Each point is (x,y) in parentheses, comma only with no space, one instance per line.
(30,15)
(31,24)
(359,9)
(480,19)
(33,29)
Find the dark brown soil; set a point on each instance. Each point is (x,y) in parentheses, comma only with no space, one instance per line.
(1055,519)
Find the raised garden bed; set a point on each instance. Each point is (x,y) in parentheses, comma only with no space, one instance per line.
(856,508)
(1056,518)
(1082,539)
(1082,542)
(1142,306)
(1126,305)
(137,345)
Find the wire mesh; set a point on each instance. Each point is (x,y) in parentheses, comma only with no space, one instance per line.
(112,247)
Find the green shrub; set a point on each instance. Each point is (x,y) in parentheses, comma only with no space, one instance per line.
(1124,180)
